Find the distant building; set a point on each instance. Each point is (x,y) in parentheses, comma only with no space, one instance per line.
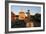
(22,15)
(13,16)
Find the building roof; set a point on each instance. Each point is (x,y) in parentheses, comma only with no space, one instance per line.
(13,14)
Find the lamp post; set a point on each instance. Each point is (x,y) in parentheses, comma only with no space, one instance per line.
(28,14)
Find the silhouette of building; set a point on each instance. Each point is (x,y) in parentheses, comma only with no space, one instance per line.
(13,16)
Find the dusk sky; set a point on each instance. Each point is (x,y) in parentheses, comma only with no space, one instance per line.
(33,9)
